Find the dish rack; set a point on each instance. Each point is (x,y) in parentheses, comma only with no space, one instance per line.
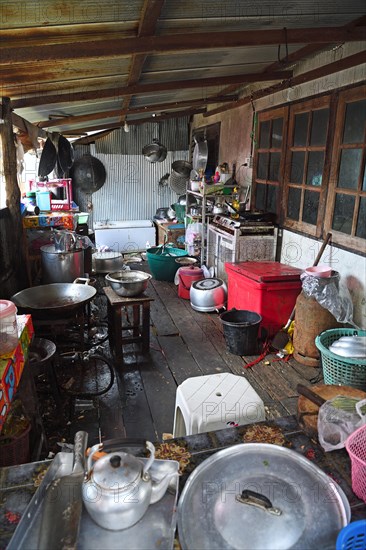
(345,371)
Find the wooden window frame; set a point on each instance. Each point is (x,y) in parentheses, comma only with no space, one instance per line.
(309,106)
(265,116)
(344,239)
(337,101)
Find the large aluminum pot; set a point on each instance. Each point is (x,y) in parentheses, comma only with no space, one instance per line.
(260,496)
(61,267)
(208,294)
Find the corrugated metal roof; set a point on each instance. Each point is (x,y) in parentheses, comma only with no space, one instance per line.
(86,60)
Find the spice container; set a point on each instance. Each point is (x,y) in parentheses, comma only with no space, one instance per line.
(8,327)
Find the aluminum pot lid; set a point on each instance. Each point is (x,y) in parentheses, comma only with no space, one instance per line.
(208,284)
(306,508)
(117,470)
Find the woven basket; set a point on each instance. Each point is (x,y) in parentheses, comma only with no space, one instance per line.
(344,371)
(356,448)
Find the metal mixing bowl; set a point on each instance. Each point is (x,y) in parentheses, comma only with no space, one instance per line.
(128,283)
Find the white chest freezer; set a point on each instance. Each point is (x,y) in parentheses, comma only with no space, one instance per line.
(124,236)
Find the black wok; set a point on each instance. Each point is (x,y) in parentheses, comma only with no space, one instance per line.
(53,300)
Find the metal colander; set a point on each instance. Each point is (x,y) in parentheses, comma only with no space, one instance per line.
(178,183)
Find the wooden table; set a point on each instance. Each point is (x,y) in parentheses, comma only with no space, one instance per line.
(140,326)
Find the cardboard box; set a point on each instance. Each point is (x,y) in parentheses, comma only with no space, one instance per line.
(8,382)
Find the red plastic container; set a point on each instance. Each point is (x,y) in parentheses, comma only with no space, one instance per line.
(268,288)
(187,275)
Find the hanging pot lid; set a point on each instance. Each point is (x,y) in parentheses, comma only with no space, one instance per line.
(200,155)
(65,153)
(88,173)
(302,507)
(48,159)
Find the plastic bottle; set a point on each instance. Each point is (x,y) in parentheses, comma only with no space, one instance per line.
(8,327)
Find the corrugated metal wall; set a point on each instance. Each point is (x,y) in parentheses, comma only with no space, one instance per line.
(132,190)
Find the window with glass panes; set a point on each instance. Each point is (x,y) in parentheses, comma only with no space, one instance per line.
(306,171)
(346,212)
(269,159)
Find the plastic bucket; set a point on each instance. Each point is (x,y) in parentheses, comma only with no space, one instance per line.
(187,275)
(241,331)
(162,262)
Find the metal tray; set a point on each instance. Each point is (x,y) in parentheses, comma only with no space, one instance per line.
(156,529)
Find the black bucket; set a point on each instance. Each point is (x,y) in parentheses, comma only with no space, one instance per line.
(241,331)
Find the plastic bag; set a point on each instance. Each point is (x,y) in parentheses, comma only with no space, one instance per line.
(336,424)
(330,294)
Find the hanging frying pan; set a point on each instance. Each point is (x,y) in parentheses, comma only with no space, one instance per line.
(48,159)
(58,169)
(88,174)
(65,154)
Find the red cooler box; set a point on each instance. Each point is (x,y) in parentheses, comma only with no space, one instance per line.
(268,288)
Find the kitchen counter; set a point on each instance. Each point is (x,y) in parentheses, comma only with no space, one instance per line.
(18,483)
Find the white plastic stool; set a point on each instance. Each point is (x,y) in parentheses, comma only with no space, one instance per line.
(214,402)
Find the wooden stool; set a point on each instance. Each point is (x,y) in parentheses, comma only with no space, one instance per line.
(141,321)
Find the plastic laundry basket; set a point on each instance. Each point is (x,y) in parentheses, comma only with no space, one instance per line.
(356,448)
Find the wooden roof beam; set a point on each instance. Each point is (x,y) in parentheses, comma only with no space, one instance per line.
(102,49)
(325,70)
(122,112)
(40,99)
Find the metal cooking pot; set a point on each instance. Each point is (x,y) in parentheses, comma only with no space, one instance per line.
(105,262)
(208,294)
(219,209)
(182,168)
(54,300)
(61,267)
(155,152)
(88,173)
(260,496)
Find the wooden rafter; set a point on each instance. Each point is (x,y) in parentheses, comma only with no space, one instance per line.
(148,88)
(157,108)
(102,49)
(340,65)
(149,17)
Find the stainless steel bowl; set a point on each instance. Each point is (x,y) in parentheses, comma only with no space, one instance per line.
(128,283)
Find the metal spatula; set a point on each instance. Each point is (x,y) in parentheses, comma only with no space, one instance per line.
(63,504)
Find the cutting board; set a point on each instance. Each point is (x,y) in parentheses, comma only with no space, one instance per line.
(307,412)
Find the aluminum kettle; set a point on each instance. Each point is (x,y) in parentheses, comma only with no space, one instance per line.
(118,489)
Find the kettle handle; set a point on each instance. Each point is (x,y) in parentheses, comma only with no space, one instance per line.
(93,450)
(150,447)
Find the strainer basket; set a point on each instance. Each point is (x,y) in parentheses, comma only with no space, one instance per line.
(356,448)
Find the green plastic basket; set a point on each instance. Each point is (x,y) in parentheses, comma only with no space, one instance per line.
(338,370)
(162,262)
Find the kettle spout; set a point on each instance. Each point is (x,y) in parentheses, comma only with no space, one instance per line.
(159,487)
